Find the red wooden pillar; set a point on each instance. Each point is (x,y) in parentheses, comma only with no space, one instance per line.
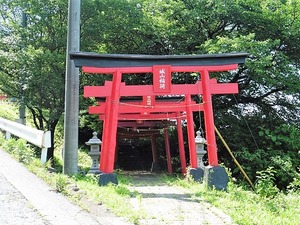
(191,132)
(209,120)
(105,134)
(181,146)
(168,153)
(111,123)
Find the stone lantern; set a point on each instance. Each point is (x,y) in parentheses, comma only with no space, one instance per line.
(94,153)
(200,141)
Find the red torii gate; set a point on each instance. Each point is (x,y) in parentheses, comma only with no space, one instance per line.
(162,68)
(135,114)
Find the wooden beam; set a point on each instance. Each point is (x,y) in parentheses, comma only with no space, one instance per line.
(155,109)
(145,124)
(176,89)
(114,61)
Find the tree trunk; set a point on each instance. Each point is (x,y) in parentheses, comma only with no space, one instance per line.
(50,153)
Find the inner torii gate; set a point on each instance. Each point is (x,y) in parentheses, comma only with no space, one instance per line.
(162,68)
(139,118)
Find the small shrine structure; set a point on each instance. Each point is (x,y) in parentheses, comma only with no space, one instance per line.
(125,105)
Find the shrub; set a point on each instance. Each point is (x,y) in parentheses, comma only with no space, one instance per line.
(9,145)
(265,183)
(295,185)
(23,151)
(61,182)
(19,149)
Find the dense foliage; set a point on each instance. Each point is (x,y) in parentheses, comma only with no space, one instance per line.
(261,123)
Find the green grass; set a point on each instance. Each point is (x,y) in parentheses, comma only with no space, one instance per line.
(247,207)
(9,110)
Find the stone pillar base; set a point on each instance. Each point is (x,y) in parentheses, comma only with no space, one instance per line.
(155,167)
(216,177)
(106,178)
(197,174)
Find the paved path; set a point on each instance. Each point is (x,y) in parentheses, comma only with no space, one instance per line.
(25,199)
(168,205)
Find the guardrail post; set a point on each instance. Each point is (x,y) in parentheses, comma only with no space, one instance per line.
(7,135)
(46,145)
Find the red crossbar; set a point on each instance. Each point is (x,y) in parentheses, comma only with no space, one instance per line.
(139,116)
(155,109)
(176,89)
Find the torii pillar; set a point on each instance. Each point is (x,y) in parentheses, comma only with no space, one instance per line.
(214,175)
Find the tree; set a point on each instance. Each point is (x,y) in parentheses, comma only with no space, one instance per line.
(33,58)
(267,106)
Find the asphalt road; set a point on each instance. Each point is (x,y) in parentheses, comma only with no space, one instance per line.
(15,208)
(25,199)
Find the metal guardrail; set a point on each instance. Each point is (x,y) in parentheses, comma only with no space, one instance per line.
(39,138)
